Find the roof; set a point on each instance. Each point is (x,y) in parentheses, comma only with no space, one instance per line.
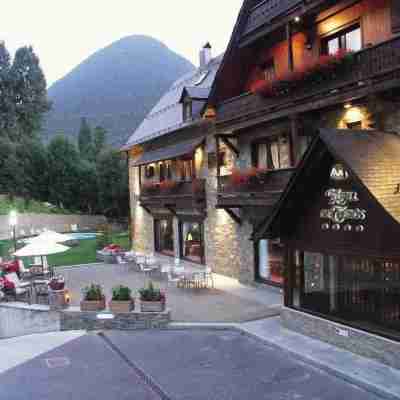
(196,93)
(371,157)
(167,115)
(169,152)
(374,157)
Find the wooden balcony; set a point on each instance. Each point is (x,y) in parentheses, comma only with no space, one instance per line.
(174,195)
(261,191)
(266,11)
(374,69)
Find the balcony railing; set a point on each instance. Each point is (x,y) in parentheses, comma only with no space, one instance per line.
(371,65)
(266,11)
(264,189)
(173,193)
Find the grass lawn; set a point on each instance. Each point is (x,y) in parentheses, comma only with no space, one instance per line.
(85,253)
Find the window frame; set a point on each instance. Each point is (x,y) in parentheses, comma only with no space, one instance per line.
(340,33)
(268,141)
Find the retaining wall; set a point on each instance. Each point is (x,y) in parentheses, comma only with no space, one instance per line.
(357,341)
(20,319)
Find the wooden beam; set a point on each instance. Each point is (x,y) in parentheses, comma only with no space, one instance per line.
(230,145)
(234,216)
(171,209)
(146,209)
(289,38)
(294,136)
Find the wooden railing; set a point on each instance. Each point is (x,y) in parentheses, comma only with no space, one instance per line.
(372,63)
(270,182)
(178,189)
(266,11)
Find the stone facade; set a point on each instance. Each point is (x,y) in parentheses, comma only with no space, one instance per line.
(354,340)
(90,321)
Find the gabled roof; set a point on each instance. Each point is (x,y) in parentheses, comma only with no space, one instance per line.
(196,93)
(371,157)
(167,115)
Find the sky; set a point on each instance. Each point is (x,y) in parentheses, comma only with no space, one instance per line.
(65,32)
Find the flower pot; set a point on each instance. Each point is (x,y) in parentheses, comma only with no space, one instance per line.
(152,306)
(93,305)
(121,307)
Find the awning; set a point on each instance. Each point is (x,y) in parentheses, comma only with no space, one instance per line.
(169,152)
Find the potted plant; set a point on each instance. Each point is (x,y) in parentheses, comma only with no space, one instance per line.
(57,283)
(152,299)
(93,298)
(122,301)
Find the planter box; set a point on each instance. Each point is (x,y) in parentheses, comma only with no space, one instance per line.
(152,306)
(93,305)
(121,307)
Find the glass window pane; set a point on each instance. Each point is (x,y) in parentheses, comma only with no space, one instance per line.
(353,40)
(192,241)
(271,261)
(284,149)
(165,236)
(275,155)
(262,155)
(333,45)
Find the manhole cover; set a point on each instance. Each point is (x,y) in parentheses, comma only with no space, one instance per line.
(57,362)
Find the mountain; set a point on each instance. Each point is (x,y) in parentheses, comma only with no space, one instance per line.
(115,88)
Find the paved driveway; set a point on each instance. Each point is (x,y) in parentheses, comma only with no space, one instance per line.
(190,365)
(222,304)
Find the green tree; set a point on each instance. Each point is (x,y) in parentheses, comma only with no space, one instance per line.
(63,173)
(85,143)
(29,93)
(88,189)
(99,140)
(11,171)
(34,163)
(113,184)
(7,105)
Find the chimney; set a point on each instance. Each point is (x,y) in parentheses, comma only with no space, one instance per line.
(205,55)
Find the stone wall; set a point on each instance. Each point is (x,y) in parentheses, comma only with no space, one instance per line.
(20,319)
(354,340)
(30,223)
(92,321)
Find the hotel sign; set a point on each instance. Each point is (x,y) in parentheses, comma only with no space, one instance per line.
(342,214)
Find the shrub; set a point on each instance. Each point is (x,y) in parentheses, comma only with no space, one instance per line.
(150,293)
(121,293)
(104,237)
(93,293)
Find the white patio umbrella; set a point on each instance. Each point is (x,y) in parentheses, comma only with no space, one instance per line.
(40,249)
(49,236)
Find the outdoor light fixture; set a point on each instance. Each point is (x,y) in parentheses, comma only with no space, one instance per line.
(13,219)
(297,19)
(347,106)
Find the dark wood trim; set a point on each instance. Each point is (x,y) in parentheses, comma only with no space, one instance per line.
(171,209)
(217,144)
(146,209)
(294,139)
(230,145)
(289,39)
(233,215)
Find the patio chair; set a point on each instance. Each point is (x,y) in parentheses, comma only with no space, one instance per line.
(146,269)
(24,273)
(22,290)
(177,274)
(208,277)
(41,290)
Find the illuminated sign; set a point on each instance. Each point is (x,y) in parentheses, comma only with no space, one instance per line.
(341,211)
(339,173)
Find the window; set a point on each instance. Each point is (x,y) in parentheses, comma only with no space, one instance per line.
(192,243)
(364,292)
(268,70)
(164,236)
(187,110)
(347,39)
(186,170)
(274,153)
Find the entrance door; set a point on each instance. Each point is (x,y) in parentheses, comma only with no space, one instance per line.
(164,236)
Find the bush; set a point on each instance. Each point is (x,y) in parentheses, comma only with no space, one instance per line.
(93,293)
(121,293)
(150,293)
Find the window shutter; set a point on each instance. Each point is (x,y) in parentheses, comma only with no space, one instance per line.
(395,16)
